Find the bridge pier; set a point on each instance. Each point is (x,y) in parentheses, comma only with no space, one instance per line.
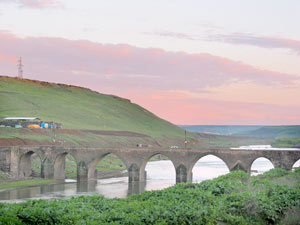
(47,169)
(82,171)
(134,174)
(240,166)
(182,174)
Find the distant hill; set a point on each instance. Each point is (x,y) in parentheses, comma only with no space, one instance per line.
(79,108)
(248,131)
(273,132)
(219,129)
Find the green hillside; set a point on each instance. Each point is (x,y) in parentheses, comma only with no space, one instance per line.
(273,132)
(78,108)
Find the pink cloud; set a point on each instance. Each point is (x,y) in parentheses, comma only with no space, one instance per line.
(132,66)
(38,4)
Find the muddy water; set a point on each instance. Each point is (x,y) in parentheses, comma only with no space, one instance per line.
(160,175)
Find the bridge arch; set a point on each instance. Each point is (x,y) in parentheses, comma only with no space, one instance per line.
(60,164)
(210,171)
(143,173)
(296,164)
(261,164)
(25,164)
(92,167)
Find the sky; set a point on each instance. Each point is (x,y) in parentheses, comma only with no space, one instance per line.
(190,62)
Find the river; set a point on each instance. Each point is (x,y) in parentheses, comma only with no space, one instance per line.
(160,175)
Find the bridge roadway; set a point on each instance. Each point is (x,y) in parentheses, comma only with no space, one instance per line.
(17,160)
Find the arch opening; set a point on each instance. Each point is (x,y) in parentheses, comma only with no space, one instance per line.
(65,167)
(159,172)
(36,165)
(30,165)
(110,175)
(296,164)
(261,165)
(107,166)
(208,167)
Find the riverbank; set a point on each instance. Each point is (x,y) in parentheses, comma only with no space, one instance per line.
(25,183)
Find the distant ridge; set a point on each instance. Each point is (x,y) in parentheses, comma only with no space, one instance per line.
(255,131)
(273,132)
(220,129)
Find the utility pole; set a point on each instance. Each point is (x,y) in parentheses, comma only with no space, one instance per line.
(185,141)
(20,68)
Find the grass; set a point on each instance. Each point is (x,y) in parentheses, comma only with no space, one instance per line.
(25,183)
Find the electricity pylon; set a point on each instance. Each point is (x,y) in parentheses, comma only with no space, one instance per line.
(20,68)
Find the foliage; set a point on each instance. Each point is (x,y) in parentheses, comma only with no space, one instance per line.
(229,199)
(274,173)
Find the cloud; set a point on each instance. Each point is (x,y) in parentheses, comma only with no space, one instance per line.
(237,38)
(173,35)
(37,4)
(124,66)
(264,42)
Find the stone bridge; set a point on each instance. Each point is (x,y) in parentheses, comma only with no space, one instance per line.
(17,160)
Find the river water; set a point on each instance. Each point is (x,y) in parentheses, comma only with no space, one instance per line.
(160,175)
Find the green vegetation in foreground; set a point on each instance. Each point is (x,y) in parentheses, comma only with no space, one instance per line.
(90,110)
(24,183)
(286,142)
(235,198)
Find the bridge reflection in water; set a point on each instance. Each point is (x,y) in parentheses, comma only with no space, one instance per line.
(62,190)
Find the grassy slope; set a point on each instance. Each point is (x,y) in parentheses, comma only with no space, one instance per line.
(79,108)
